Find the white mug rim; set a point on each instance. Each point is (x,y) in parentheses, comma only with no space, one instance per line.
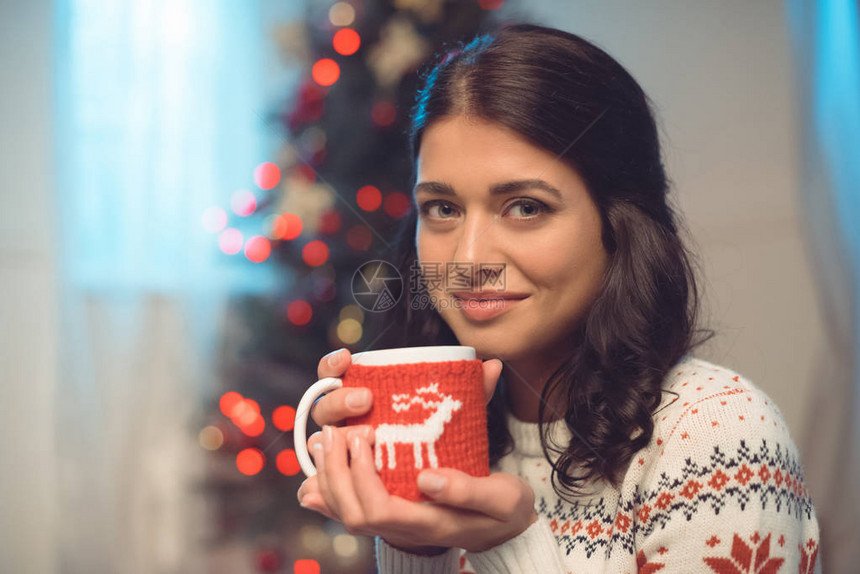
(410,355)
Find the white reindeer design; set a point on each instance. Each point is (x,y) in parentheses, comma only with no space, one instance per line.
(417,434)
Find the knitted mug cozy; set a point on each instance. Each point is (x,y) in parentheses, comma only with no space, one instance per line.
(424,415)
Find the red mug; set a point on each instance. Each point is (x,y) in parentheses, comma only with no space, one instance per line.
(428,412)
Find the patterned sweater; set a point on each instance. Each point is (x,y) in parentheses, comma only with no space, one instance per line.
(718,489)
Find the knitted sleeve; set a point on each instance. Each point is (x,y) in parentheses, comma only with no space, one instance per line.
(391,560)
(534,551)
(723,491)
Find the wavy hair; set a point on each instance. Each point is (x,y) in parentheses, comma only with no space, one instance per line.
(570,98)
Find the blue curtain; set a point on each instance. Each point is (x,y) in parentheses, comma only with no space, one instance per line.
(159,111)
(825,37)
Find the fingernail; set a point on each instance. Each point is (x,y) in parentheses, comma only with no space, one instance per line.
(358,399)
(328,437)
(431,482)
(336,358)
(299,493)
(319,457)
(354,448)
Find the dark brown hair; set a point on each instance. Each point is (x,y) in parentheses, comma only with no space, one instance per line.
(569,97)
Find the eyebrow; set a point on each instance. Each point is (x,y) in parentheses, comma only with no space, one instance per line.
(506,188)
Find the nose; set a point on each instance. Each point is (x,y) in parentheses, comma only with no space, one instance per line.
(476,248)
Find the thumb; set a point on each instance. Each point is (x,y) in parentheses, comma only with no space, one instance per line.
(489,495)
(492,372)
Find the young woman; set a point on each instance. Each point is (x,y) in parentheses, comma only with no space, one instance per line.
(613,449)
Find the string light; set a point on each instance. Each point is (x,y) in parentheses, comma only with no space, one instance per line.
(287,226)
(255,427)
(329,221)
(351,312)
(325,71)
(341,14)
(383,113)
(250,461)
(345,545)
(287,462)
(305,172)
(396,204)
(267,175)
(258,249)
(368,198)
(313,538)
(299,312)
(359,237)
(306,567)
(284,418)
(346,42)
(228,402)
(315,253)
(243,203)
(214,219)
(230,241)
(349,331)
(210,437)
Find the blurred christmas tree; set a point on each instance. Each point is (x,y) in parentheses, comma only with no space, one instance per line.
(331,200)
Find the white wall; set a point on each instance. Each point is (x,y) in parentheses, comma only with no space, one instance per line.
(720,74)
(27,311)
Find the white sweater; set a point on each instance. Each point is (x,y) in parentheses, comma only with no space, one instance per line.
(718,489)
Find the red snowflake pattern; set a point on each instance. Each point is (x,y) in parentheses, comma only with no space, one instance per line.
(741,560)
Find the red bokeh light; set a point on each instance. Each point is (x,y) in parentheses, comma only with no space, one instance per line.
(383,113)
(305,172)
(325,72)
(258,249)
(287,226)
(250,461)
(256,427)
(287,462)
(268,561)
(267,175)
(243,203)
(230,241)
(229,401)
(299,313)
(396,204)
(330,221)
(315,253)
(490,4)
(284,418)
(346,42)
(306,567)
(368,198)
(359,237)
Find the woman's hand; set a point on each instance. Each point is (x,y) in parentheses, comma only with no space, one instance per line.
(467,512)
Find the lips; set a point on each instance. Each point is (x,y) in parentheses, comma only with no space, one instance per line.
(488,295)
(484,306)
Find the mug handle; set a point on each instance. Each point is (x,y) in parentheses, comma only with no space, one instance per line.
(300,441)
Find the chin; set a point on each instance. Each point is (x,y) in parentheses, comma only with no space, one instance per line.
(491,347)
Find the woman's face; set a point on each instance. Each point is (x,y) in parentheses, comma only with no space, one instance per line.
(545,248)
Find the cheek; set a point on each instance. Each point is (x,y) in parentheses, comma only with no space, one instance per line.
(431,246)
(567,275)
